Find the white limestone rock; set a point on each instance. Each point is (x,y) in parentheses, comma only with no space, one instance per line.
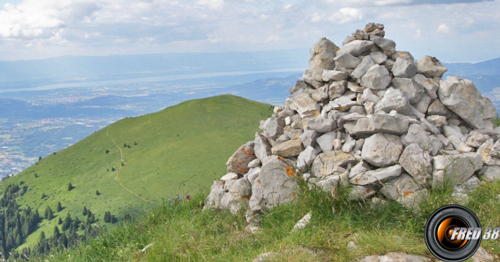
(275,185)
(327,163)
(378,123)
(387,45)
(333,75)
(378,57)
(382,149)
(461,96)
(376,176)
(363,67)
(394,99)
(408,86)
(305,105)
(322,54)
(306,157)
(356,47)
(430,67)
(337,89)
(457,168)
(489,173)
(428,84)
(418,163)
(377,77)
(321,124)
(347,60)
(309,137)
(404,68)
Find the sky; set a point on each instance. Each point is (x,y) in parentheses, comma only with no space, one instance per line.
(451,30)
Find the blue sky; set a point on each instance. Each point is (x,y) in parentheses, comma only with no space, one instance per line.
(453,31)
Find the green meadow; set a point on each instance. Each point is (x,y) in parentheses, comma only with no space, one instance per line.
(138,162)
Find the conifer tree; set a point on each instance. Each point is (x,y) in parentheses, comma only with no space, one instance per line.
(67,223)
(76,224)
(49,214)
(42,236)
(57,233)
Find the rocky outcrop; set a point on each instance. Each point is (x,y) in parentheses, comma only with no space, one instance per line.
(366,115)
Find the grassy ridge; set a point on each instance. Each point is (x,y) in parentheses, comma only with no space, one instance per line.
(176,151)
(182,231)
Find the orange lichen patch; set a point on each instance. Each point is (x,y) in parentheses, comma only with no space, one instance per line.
(293,195)
(246,197)
(258,181)
(247,152)
(407,193)
(280,158)
(242,170)
(289,171)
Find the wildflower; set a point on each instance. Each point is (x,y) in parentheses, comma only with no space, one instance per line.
(188,197)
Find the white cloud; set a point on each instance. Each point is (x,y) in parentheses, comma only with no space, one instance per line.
(391,2)
(343,16)
(41,19)
(44,28)
(212,4)
(360,3)
(418,34)
(443,28)
(346,15)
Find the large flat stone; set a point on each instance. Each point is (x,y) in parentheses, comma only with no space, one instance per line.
(305,105)
(378,123)
(462,97)
(325,164)
(377,176)
(456,168)
(276,184)
(288,149)
(382,149)
(356,47)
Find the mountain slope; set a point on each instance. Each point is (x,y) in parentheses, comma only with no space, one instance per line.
(136,162)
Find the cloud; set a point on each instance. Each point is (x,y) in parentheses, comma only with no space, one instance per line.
(447,2)
(391,2)
(443,28)
(346,15)
(41,19)
(212,4)
(45,28)
(418,34)
(343,16)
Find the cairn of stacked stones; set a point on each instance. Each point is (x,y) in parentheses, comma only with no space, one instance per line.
(371,117)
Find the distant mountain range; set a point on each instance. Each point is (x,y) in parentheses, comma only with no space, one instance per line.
(66,69)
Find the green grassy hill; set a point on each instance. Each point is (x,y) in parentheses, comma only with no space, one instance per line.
(136,162)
